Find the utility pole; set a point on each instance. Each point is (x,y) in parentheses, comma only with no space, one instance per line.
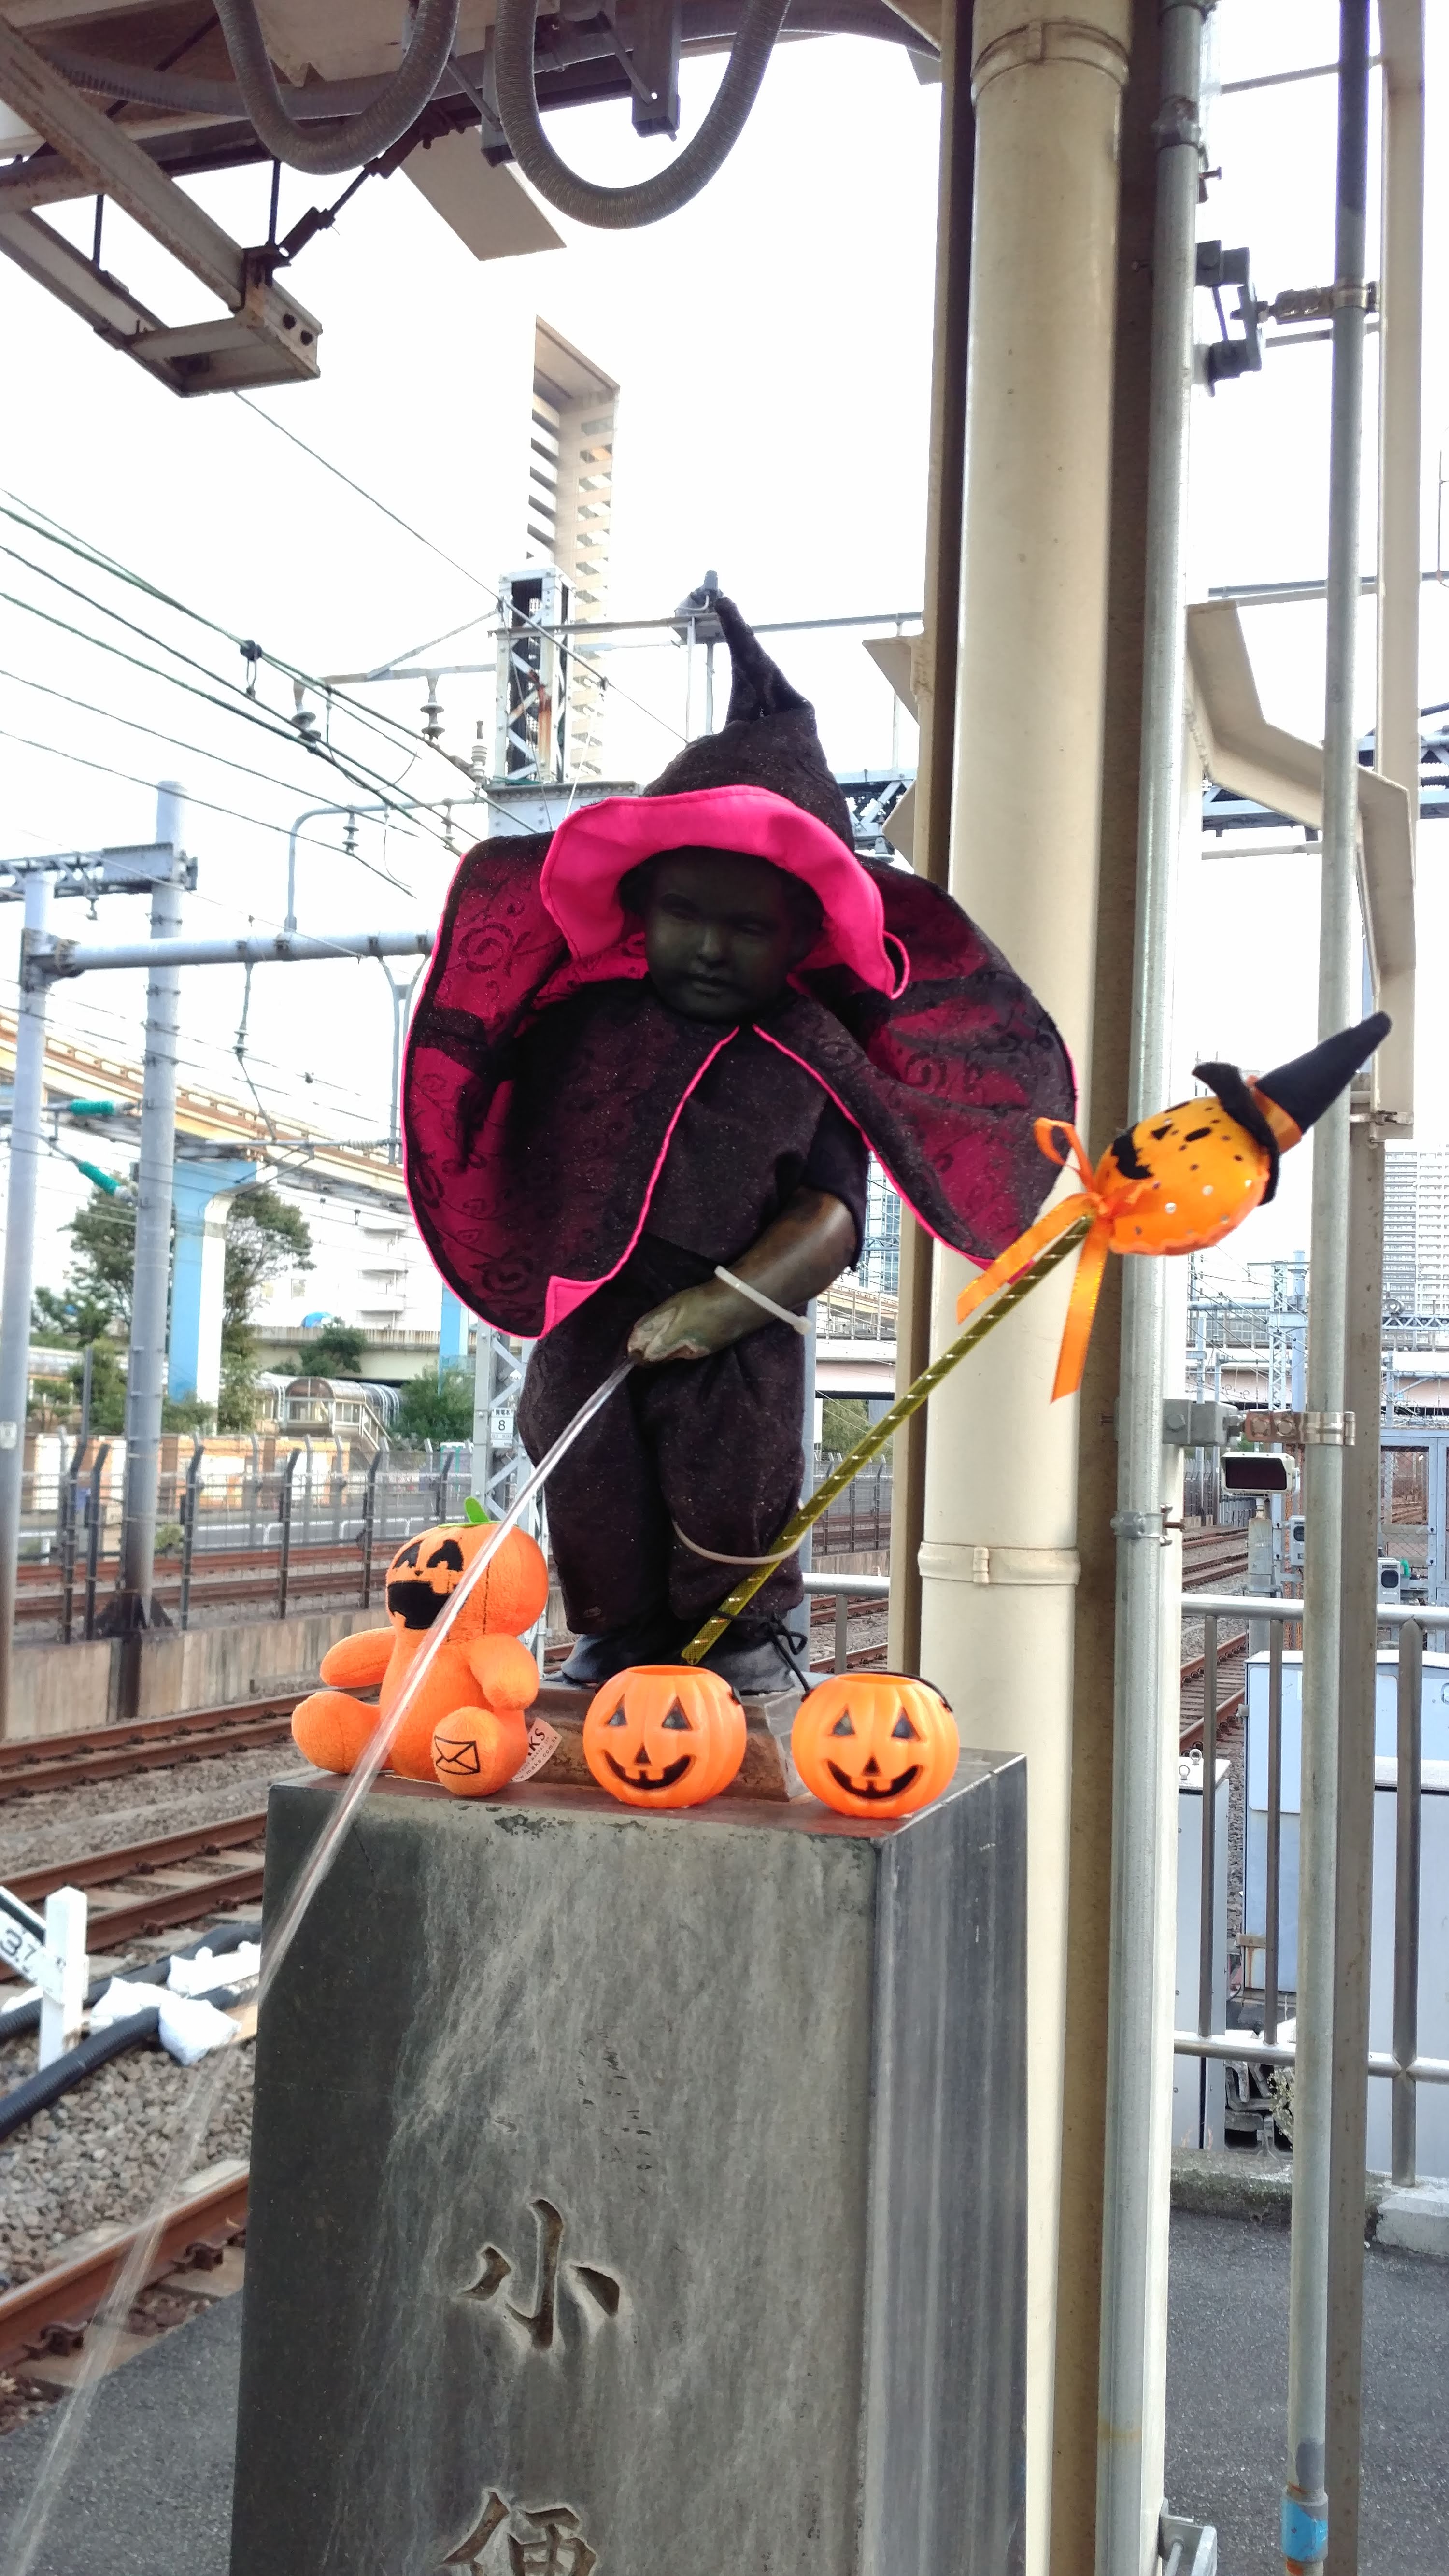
(25,1152)
(151,1278)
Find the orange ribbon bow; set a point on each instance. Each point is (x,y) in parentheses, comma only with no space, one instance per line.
(1103,1196)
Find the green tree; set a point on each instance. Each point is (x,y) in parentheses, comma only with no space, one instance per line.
(844,1420)
(436,1409)
(334,1350)
(264,1237)
(96,1299)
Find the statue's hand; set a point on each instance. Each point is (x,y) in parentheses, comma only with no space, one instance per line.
(693,1324)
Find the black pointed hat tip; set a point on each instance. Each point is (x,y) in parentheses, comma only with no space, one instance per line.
(758,686)
(1309,1085)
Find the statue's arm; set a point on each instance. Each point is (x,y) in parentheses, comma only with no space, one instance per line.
(809,1243)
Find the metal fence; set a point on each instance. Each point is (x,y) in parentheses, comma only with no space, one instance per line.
(1259,2046)
(242,1531)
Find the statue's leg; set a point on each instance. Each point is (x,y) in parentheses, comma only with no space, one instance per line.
(726,1436)
(610,1534)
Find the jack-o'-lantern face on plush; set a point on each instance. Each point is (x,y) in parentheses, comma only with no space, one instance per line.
(875,1744)
(664,1735)
(508,1596)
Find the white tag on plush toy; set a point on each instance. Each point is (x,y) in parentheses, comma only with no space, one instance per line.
(543,1742)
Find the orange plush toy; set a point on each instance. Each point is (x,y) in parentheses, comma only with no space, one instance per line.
(465,1727)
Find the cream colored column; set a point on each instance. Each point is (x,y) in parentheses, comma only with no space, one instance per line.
(998,1560)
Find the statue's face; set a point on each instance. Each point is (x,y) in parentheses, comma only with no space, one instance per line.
(719,934)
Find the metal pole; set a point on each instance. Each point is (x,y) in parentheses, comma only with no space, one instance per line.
(1139,2025)
(369,1527)
(1304,2524)
(1272,1929)
(1208,1889)
(1408,1819)
(284,1545)
(151,1277)
(1353,1893)
(67,1543)
(93,1535)
(188,1515)
(302,948)
(26,1148)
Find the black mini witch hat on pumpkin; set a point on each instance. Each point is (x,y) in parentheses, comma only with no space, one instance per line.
(1279,1107)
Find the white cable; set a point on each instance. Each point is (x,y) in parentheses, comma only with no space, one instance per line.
(797,1323)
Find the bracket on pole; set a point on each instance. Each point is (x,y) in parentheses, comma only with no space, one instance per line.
(1186,2548)
(265,337)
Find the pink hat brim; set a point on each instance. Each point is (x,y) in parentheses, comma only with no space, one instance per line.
(596,845)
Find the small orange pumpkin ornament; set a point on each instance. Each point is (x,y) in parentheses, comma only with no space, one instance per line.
(1180,1181)
(664,1735)
(875,1744)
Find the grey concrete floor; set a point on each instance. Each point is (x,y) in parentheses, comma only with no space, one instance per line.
(150,2493)
(150,2490)
(1226,2377)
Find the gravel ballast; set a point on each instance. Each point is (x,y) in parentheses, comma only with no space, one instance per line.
(104,1815)
(96,2158)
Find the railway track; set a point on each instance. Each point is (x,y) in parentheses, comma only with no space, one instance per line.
(153,1886)
(33,1763)
(50,2313)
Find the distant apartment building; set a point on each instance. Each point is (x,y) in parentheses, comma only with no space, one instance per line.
(1416,1228)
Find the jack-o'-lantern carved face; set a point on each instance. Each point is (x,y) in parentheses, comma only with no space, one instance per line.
(875,1744)
(664,1735)
(508,1596)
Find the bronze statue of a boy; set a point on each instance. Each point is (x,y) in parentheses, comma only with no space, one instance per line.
(651,1059)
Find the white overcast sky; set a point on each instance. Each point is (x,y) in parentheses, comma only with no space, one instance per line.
(773,348)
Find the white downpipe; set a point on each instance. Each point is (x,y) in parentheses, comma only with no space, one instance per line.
(999,1560)
(1147,1651)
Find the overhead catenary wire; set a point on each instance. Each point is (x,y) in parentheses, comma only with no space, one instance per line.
(41,524)
(526,625)
(177,743)
(348,765)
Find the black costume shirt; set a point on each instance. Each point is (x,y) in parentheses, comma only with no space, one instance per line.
(755,1129)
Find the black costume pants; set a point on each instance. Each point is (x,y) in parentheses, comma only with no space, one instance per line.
(713,1446)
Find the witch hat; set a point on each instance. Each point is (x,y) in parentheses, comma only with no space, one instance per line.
(1279,1107)
(768,738)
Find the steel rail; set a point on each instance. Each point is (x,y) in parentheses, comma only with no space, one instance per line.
(59,2303)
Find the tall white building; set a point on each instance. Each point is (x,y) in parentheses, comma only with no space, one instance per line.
(570,511)
(1416,1228)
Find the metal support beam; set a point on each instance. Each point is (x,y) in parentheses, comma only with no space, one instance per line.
(52,958)
(272,336)
(26,1148)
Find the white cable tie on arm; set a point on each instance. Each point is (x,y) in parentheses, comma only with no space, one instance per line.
(782,1314)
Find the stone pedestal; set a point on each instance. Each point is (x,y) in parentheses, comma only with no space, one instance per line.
(641,2193)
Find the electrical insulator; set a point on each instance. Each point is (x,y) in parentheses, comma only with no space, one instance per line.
(349,838)
(432,712)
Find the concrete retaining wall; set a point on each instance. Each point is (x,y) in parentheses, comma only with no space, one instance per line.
(59,1689)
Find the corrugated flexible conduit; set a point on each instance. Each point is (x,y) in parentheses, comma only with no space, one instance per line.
(399,104)
(41,2091)
(623,209)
